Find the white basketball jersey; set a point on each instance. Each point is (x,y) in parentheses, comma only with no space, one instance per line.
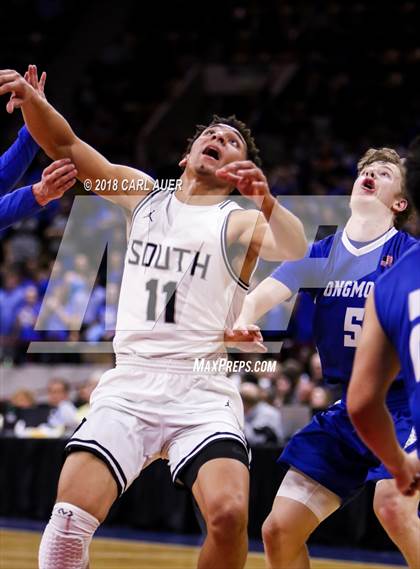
(178,291)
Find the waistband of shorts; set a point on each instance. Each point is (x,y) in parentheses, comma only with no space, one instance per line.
(169,365)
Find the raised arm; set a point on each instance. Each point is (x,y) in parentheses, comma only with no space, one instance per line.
(274,234)
(54,134)
(56,179)
(16,160)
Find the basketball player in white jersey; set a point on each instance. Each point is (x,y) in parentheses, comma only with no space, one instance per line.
(190,256)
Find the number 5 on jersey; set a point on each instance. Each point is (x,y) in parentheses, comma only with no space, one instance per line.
(353,326)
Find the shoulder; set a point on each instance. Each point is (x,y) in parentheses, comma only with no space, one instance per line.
(323,247)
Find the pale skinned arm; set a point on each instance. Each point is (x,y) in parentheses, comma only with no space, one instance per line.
(245,336)
(375,367)
(268,294)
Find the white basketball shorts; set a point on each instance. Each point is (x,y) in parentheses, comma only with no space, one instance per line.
(141,413)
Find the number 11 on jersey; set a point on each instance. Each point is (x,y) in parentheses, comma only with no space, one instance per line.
(170,290)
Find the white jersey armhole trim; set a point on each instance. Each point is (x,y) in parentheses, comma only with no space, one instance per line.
(225,256)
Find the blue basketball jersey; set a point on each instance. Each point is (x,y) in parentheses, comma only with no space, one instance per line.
(397,302)
(339,276)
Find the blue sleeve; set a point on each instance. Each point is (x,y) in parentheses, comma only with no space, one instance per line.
(415,413)
(16,206)
(307,273)
(16,160)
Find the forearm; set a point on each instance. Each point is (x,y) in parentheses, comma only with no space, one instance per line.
(268,294)
(17,205)
(50,129)
(286,236)
(375,427)
(16,160)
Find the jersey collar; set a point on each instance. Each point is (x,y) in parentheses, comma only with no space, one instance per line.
(371,246)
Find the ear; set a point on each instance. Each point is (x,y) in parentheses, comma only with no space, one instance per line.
(400,205)
(183,162)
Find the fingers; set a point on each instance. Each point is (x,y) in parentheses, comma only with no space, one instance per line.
(56,164)
(42,81)
(60,174)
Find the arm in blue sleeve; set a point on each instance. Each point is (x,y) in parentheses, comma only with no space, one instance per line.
(16,206)
(307,273)
(16,160)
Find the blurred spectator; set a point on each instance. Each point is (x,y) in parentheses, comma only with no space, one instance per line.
(64,413)
(320,399)
(84,393)
(23,399)
(262,421)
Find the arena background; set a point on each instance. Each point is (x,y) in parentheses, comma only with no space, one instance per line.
(318,82)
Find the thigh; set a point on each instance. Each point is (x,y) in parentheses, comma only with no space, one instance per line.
(87,482)
(325,450)
(300,493)
(213,412)
(222,482)
(114,436)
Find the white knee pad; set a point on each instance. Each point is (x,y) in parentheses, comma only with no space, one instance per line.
(66,539)
(301,488)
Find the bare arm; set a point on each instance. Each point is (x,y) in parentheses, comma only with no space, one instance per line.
(54,134)
(268,294)
(375,367)
(275,234)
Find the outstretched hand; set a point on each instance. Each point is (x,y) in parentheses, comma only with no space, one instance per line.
(31,76)
(245,338)
(21,91)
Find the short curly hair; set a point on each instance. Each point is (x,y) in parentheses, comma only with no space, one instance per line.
(412,165)
(389,155)
(253,152)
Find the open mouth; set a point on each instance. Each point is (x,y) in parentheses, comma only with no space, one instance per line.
(368,184)
(212,152)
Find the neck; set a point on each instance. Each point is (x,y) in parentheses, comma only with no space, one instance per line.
(367,228)
(201,190)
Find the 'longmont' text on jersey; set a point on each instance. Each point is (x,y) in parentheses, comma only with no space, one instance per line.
(349,288)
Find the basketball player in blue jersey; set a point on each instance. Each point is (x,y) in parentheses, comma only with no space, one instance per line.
(391,340)
(190,256)
(56,178)
(327,462)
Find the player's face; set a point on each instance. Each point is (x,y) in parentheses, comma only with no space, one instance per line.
(216,146)
(378,181)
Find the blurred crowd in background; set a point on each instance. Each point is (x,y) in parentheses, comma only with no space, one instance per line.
(276,403)
(314,92)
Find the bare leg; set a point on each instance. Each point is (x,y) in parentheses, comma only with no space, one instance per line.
(398,516)
(86,482)
(86,491)
(285,532)
(221,491)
